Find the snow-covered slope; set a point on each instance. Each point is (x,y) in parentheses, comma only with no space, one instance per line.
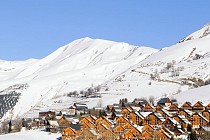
(81,64)
(170,71)
(121,70)
(202,33)
(10,69)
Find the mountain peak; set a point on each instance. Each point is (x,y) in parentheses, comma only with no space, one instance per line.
(204,32)
(208,24)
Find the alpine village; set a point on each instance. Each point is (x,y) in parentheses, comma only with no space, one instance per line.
(136,120)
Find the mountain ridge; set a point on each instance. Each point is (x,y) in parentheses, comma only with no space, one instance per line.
(75,66)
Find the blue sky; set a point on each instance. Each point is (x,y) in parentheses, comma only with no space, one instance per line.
(35,28)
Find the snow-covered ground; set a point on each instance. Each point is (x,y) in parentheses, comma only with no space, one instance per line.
(30,135)
(122,71)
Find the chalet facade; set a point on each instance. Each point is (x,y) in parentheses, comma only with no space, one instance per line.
(198,120)
(133,121)
(187,106)
(154,119)
(198,107)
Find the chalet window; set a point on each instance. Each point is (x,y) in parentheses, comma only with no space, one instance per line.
(156,121)
(137,120)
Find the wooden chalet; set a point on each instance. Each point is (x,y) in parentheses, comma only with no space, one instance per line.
(101,128)
(171,124)
(126,135)
(207,107)
(136,132)
(177,133)
(63,123)
(109,135)
(68,134)
(164,113)
(148,107)
(87,123)
(71,111)
(128,125)
(89,134)
(106,122)
(187,105)
(136,118)
(99,119)
(206,114)
(198,107)
(153,119)
(186,113)
(198,120)
(126,112)
(118,129)
(92,118)
(147,135)
(148,128)
(162,135)
(173,109)
(184,122)
(78,128)
(122,121)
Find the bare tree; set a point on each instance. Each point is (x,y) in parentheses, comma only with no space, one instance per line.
(99,103)
(75,93)
(151,100)
(97,89)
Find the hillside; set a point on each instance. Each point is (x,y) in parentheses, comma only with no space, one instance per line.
(169,72)
(77,66)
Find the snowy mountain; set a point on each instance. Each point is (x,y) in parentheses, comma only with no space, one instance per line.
(110,70)
(77,66)
(202,33)
(177,69)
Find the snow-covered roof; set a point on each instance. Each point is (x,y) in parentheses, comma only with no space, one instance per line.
(144,114)
(203,117)
(93,132)
(137,113)
(53,123)
(182,117)
(166,112)
(136,108)
(175,122)
(158,115)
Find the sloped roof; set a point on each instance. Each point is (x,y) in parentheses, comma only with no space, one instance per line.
(164,100)
(158,115)
(93,132)
(53,123)
(145,114)
(182,117)
(76,126)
